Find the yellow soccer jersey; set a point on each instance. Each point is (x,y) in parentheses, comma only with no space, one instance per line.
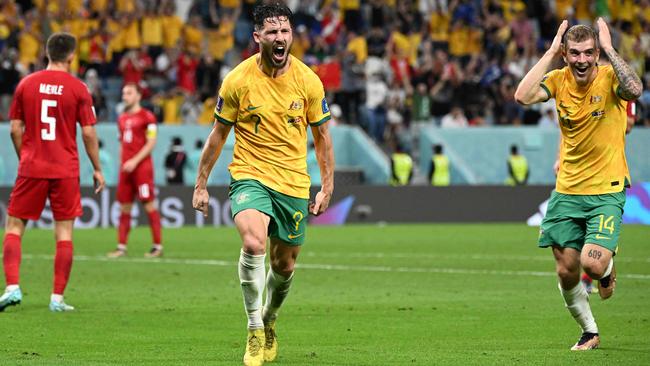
(271,116)
(592,122)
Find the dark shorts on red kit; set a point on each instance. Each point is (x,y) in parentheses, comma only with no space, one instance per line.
(28,197)
(137,183)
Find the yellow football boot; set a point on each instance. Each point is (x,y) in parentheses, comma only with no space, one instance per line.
(254,355)
(271,342)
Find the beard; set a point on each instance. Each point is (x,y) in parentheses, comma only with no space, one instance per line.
(270,57)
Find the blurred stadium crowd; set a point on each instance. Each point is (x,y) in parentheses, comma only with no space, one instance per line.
(387,65)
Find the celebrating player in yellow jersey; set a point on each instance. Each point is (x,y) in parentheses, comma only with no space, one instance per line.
(270,99)
(582,223)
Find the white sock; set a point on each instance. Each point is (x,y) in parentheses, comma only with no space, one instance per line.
(251,278)
(10,288)
(577,302)
(121,247)
(157,246)
(277,289)
(56,298)
(608,271)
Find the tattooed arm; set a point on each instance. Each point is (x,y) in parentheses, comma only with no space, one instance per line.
(630,87)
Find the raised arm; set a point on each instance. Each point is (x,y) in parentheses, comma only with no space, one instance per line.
(529,90)
(630,86)
(209,155)
(325,157)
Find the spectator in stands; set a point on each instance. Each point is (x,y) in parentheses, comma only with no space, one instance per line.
(301,42)
(352,78)
(518,171)
(152,30)
(375,110)
(455,118)
(186,67)
(134,64)
(421,104)
(175,161)
(439,170)
(401,167)
(9,78)
(208,74)
(549,116)
(94,85)
(172,26)
(190,109)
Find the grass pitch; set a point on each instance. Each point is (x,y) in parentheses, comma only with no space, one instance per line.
(363,295)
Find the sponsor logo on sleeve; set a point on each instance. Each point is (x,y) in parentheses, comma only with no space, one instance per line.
(325,107)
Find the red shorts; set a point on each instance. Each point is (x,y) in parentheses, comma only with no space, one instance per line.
(28,197)
(139,182)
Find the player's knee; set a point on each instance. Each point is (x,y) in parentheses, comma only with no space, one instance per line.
(149,206)
(15,226)
(254,244)
(565,273)
(125,208)
(594,268)
(594,261)
(283,266)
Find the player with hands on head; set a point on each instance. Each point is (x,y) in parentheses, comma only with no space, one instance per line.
(583,220)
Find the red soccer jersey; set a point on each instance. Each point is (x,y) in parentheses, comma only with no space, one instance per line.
(133,132)
(50,103)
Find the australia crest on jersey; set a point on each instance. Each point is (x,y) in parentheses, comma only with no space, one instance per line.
(296,105)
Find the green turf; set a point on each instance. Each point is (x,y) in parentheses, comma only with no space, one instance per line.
(365,295)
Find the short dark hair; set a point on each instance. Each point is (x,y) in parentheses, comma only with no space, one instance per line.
(177,141)
(265,11)
(60,45)
(514,150)
(579,33)
(437,149)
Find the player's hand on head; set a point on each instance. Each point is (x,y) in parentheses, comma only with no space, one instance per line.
(98,180)
(556,46)
(604,37)
(320,204)
(200,200)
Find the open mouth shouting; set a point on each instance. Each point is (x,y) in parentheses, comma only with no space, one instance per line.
(279,53)
(581,70)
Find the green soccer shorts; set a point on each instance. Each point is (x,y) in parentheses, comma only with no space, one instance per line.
(572,221)
(288,214)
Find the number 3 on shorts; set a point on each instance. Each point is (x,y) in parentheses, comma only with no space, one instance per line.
(297,217)
(606,223)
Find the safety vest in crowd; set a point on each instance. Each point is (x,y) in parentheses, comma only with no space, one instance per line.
(440,176)
(402,166)
(519,166)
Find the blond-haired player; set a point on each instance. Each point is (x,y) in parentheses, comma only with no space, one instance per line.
(582,223)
